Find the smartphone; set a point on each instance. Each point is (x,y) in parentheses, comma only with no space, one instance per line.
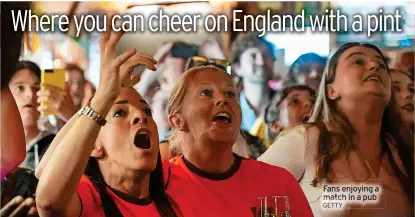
(184,50)
(55,77)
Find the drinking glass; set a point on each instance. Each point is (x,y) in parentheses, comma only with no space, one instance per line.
(273,206)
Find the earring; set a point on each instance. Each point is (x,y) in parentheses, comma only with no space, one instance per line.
(336,97)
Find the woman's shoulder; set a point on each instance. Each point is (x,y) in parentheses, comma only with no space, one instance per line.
(303,134)
(86,185)
(86,189)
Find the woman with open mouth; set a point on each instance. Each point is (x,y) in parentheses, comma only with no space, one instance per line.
(356,136)
(404,89)
(114,143)
(206,118)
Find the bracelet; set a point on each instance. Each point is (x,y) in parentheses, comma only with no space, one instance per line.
(91,113)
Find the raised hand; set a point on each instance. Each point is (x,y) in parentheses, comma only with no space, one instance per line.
(116,71)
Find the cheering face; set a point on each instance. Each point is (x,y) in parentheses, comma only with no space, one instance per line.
(295,108)
(24,85)
(255,65)
(210,110)
(404,89)
(129,138)
(361,74)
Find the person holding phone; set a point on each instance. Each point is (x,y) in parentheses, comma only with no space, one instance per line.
(64,102)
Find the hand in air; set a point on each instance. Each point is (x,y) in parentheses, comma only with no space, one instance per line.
(116,71)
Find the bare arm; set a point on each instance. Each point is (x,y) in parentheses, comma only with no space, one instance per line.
(58,138)
(288,153)
(67,164)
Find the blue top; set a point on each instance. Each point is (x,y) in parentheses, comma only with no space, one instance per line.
(248,114)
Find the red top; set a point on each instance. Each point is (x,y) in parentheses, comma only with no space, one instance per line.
(129,206)
(233,193)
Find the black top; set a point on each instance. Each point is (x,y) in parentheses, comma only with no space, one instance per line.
(131,199)
(21,182)
(41,145)
(215,176)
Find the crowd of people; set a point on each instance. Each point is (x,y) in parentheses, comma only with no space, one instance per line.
(190,137)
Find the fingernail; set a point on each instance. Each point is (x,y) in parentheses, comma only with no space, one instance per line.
(30,201)
(19,199)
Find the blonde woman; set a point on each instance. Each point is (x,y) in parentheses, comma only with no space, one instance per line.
(209,178)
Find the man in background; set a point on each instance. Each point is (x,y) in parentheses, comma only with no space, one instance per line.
(252,61)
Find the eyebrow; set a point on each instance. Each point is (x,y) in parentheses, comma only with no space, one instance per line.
(22,82)
(122,102)
(294,95)
(363,54)
(229,84)
(19,82)
(126,102)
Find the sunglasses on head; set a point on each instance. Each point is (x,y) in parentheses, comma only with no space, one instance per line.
(204,61)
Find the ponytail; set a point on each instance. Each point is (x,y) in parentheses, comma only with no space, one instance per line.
(165,205)
(94,174)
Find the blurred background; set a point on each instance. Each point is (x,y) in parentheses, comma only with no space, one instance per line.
(54,49)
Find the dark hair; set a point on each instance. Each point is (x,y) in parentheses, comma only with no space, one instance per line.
(21,182)
(273,109)
(70,67)
(11,40)
(165,205)
(33,67)
(247,40)
(331,145)
(301,62)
